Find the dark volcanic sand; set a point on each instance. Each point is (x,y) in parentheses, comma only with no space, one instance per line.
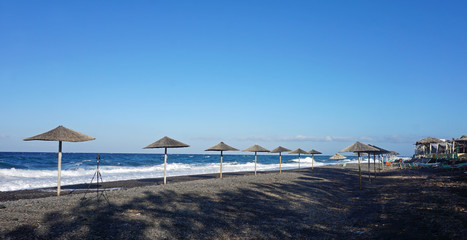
(324,203)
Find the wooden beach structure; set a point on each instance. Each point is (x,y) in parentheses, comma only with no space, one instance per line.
(379,153)
(337,156)
(61,134)
(165,143)
(280,150)
(313,152)
(221,147)
(359,147)
(441,149)
(255,148)
(299,151)
(460,147)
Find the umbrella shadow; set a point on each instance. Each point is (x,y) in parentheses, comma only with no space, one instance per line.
(262,210)
(322,204)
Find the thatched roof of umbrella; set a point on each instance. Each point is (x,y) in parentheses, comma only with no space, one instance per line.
(312,151)
(61,133)
(361,154)
(359,147)
(394,153)
(299,150)
(463,138)
(381,150)
(337,156)
(255,148)
(221,147)
(280,149)
(429,140)
(167,142)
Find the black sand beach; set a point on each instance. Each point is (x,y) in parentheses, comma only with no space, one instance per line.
(324,203)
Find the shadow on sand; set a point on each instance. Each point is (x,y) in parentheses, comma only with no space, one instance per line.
(321,204)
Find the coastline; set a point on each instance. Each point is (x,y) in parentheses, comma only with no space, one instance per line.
(322,203)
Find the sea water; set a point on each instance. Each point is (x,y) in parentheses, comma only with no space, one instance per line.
(37,170)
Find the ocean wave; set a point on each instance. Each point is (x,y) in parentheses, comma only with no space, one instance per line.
(17,179)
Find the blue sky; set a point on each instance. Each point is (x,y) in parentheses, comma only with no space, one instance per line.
(308,74)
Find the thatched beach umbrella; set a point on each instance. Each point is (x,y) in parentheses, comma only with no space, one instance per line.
(166,142)
(313,152)
(61,134)
(394,153)
(256,148)
(299,151)
(337,156)
(221,147)
(359,147)
(280,150)
(380,151)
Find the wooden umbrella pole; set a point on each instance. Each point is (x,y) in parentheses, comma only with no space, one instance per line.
(59,166)
(312,161)
(369,169)
(299,161)
(359,171)
(255,163)
(280,162)
(165,166)
(221,164)
(374,163)
(382,162)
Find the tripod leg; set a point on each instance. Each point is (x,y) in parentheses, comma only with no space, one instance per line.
(103,190)
(90,184)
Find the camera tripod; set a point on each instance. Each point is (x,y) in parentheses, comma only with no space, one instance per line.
(97,175)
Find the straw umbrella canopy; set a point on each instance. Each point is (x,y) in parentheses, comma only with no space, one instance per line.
(61,134)
(221,147)
(166,142)
(359,147)
(299,151)
(313,152)
(255,148)
(280,150)
(337,156)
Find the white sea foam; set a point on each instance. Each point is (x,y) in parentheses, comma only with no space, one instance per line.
(17,179)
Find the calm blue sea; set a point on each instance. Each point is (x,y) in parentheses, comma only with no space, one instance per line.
(36,170)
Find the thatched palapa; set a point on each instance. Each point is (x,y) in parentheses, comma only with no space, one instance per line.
(280,150)
(337,156)
(255,148)
(313,152)
(221,147)
(429,140)
(359,147)
(166,142)
(299,151)
(61,134)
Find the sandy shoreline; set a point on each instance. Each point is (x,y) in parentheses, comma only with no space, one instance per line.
(322,203)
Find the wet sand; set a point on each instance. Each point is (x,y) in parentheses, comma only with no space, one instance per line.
(324,203)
